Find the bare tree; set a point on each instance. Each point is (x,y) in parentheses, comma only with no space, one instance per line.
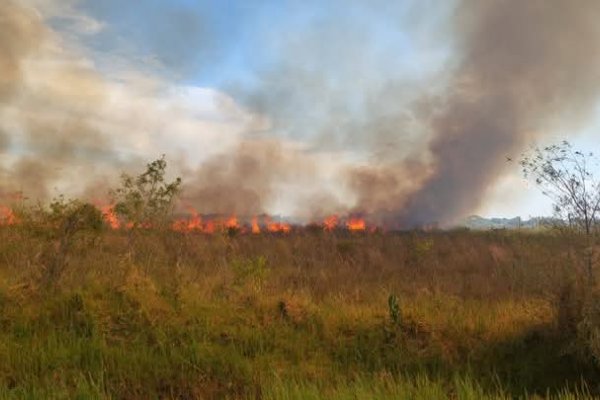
(565,176)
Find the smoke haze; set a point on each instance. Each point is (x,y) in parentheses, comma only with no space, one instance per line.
(524,63)
(407,120)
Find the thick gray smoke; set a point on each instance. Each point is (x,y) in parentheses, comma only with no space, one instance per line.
(403,112)
(518,69)
(527,67)
(65,126)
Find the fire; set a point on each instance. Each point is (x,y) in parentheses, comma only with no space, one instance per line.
(189,225)
(277,227)
(331,222)
(110,217)
(196,223)
(356,224)
(255,226)
(232,223)
(209,227)
(7,216)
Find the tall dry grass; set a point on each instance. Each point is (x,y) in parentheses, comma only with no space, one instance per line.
(161,314)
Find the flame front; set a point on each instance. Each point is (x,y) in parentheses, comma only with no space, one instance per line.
(195,222)
(356,224)
(189,225)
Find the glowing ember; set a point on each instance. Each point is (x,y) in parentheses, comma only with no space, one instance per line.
(356,224)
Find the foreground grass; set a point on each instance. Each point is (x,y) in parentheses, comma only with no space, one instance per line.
(304,316)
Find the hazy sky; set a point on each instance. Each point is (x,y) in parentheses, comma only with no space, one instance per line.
(206,66)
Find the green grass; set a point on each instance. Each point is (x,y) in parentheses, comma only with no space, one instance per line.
(304,316)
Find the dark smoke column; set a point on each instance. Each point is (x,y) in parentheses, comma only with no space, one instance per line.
(527,66)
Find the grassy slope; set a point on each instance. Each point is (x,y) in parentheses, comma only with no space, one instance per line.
(305,316)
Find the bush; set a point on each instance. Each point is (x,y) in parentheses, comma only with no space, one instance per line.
(146,200)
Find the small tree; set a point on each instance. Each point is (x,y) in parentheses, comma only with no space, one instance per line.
(70,220)
(565,176)
(146,199)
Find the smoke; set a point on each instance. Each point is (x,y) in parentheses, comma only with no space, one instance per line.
(526,67)
(21,33)
(68,128)
(403,115)
(434,142)
(259,176)
(46,102)
(18,38)
(73,128)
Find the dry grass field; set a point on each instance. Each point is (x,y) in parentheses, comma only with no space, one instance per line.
(310,314)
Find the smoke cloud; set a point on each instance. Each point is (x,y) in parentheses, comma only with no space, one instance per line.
(68,128)
(518,70)
(46,102)
(407,120)
(527,67)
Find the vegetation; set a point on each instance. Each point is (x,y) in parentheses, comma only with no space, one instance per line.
(565,176)
(304,315)
(87,311)
(146,200)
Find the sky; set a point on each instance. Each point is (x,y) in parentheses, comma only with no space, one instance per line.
(330,82)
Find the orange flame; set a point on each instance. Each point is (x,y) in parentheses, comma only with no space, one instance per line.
(330,223)
(110,217)
(276,227)
(232,223)
(7,216)
(279,227)
(356,224)
(188,225)
(196,224)
(210,227)
(255,227)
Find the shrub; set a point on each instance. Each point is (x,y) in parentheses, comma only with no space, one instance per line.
(146,200)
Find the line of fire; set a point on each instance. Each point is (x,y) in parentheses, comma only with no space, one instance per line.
(194,222)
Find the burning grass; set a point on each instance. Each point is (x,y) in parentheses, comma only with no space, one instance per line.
(148,313)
